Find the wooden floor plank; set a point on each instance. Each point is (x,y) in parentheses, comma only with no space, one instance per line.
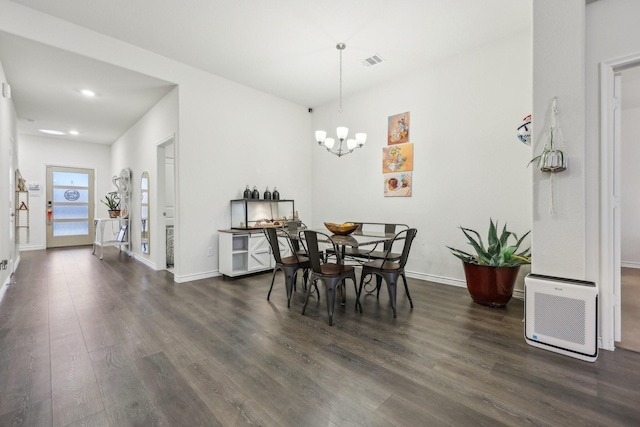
(110,342)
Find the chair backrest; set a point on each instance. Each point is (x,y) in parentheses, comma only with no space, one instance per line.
(309,239)
(408,235)
(272,238)
(389,228)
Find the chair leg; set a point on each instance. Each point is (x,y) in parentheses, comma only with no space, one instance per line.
(355,288)
(391,287)
(406,288)
(378,285)
(288,283)
(306,300)
(273,278)
(359,291)
(331,297)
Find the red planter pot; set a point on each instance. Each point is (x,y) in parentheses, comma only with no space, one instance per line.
(492,286)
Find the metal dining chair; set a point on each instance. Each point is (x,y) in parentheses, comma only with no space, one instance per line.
(331,275)
(289,265)
(389,270)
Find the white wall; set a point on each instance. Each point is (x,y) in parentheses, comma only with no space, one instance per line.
(469,165)
(559,239)
(36,152)
(8,150)
(630,212)
(228,135)
(136,150)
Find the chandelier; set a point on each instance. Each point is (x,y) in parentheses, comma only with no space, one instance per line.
(343,147)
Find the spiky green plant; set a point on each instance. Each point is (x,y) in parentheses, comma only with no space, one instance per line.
(499,253)
(112,201)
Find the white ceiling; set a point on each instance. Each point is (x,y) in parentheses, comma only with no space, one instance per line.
(282,47)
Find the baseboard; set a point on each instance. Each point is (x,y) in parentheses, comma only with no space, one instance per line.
(438,279)
(629,264)
(144,261)
(4,287)
(32,247)
(197,276)
(518,294)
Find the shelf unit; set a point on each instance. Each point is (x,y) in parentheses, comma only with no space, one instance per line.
(119,233)
(22,216)
(246,251)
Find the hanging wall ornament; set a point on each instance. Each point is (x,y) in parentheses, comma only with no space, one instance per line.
(553,159)
(524,130)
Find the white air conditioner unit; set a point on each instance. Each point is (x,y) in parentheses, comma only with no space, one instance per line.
(561,315)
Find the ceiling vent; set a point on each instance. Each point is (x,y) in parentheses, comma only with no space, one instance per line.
(372,60)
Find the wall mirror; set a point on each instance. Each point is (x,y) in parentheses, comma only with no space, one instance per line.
(144,212)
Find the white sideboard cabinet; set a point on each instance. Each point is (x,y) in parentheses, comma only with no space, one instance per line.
(243,252)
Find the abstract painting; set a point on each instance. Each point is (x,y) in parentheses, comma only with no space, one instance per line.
(398,129)
(397,158)
(397,184)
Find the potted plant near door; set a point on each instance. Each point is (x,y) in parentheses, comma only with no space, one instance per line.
(112,201)
(492,271)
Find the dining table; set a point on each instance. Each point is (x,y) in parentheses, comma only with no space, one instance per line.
(357,239)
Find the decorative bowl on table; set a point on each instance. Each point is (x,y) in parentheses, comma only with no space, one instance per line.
(341,229)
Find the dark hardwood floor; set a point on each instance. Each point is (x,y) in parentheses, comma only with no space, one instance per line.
(85,342)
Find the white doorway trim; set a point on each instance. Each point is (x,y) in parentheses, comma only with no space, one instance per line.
(610,176)
(160,206)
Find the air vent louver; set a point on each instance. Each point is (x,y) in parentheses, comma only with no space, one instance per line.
(372,60)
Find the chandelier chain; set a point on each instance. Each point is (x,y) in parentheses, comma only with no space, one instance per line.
(340,109)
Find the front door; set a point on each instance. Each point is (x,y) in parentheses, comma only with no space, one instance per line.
(70,204)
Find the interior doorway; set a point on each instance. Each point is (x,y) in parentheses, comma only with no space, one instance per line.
(166,203)
(630,208)
(611,87)
(70,206)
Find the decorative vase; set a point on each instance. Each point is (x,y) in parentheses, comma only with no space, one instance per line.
(114,213)
(247,193)
(255,194)
(267,194)
(276,194)
(491,286)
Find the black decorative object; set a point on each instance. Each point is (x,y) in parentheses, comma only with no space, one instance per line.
(276,194)
(255,194)
(247,193)
(267,194)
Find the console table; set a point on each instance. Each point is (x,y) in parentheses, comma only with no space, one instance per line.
(110,232)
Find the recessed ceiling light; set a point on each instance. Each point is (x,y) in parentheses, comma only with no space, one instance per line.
(74,132)
(87,92)
(51,132)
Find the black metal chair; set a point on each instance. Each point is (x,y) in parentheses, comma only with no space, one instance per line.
(289,265)
(390,270)
(332,275)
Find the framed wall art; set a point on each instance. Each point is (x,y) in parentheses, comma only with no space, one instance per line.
(397,158)
(398,129)
(397,184)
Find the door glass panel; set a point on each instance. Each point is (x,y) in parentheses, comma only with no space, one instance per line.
(70,228)
(70,179)
(70,212)
(70,195)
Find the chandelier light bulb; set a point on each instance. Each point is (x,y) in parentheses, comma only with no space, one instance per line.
(342,132)
(320,136)
(361,138)
(351,143)
(329,142)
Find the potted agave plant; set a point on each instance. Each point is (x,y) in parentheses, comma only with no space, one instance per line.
(492,271)
(112,201)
